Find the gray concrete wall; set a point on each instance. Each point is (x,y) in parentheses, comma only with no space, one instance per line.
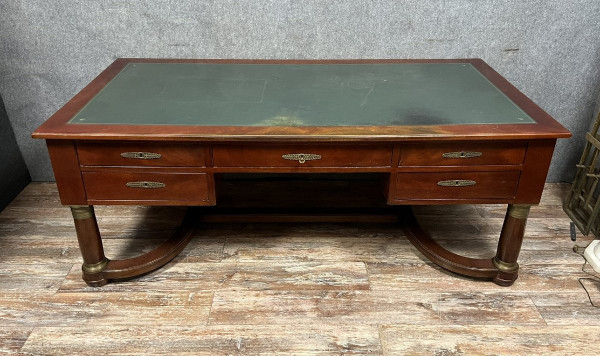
(13,172)
(50,49)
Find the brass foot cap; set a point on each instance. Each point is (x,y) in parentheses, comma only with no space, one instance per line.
(505,266)
(94,268)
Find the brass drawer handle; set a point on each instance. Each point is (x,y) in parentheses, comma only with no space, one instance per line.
(145,185)
(141,155)
(301,157)
(456,183)
(462,154)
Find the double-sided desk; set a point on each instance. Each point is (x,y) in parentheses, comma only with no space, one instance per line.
(165,132)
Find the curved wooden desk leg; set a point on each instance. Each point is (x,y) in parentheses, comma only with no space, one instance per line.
(502,269)
(99,270)
(509,245)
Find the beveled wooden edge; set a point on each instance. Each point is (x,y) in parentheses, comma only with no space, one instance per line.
(136,266)
(56,126)
(471,267)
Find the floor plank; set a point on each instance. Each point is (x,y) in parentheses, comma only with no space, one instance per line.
(207,340)
(371,307)
(427,276)
(70,309)
(291,288)
(12,339)
(488,340)
(27,277)
(239,276)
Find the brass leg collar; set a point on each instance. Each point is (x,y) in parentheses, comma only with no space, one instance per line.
(81,212)
(519,211)
(505,266)
(96,267)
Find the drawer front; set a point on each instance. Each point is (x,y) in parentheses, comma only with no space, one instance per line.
(302,156)
(141,154)
(146,186)
(462,154)
(456,185)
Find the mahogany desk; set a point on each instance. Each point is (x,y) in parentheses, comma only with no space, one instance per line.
(162,132)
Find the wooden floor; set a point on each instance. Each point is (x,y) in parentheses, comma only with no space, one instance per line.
(294,288)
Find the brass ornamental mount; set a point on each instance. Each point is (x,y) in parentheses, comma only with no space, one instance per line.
(82,212)
(301,157)
(145,184)
(141,155)
(96,267)
(456,183)
(462,154)
(505,266)
(519,211)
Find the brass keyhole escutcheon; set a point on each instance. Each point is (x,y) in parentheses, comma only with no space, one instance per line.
(462,154)
(145,185)
(457,183)
(301,157)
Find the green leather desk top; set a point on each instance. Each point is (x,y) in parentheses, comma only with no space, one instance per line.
(220,94)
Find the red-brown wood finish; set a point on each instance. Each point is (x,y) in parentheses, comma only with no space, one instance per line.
(535,170)
(90,243)
(473,267)
(497,153)
(330,156)
(488,185)
(171,155)
(180,188)
(509,246)
(65,164)
(90,169)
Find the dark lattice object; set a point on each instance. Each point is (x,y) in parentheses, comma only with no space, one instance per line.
(582,204)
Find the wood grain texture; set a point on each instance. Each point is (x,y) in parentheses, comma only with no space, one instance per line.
(487,340)
(12,339)
(181,275)
(372,307)
(65,164)
(64,309)
(208,340)
(491,153)
(569,308)
(535,170)
(487,185)
(329,156)
(293,288)
(171,155)
(177,189)
(422,275)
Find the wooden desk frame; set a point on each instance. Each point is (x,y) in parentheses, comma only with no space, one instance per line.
(509,166)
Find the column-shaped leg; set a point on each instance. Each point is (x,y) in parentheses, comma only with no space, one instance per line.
(90,244)
(509,246)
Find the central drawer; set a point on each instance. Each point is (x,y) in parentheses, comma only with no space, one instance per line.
(302,156)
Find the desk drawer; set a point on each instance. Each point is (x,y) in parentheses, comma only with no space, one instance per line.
(146,186)
(462,154)
(141,154)
(302,156)
(456,185)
